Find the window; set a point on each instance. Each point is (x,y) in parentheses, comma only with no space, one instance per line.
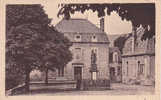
(118,70)
(110,57)
(127,68)
(78,53)
(115,57)
(78,38)
(94,38)
(140,68)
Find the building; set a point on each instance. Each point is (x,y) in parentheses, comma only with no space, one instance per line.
(114,60)
(138,59)
(90,51)
(115,64)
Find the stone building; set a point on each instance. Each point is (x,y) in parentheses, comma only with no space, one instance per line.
(114,59)
(138,59)
(87,39)
(115,64)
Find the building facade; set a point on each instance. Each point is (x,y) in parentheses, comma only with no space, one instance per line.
(90,51)
(115,64)
(138,59)
(114,60)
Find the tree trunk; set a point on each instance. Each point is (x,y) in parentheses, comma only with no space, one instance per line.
(46,78)
(27,81)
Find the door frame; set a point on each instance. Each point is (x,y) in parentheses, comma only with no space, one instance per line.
(79,72)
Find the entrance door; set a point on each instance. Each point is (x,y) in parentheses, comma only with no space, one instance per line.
(78,73)
(112,74)
(78,76)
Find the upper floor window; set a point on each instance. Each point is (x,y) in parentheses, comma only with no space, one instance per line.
(115,57)
(94,38)
(78,38)
(110,57)
(78,53)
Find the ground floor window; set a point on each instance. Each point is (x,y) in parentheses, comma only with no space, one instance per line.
(140,68)
(119,70)
(127,68)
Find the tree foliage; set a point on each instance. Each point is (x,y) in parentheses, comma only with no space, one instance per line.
(31,42)
(139,14)
(120,41)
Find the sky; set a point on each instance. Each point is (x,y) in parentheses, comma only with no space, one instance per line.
(113,23)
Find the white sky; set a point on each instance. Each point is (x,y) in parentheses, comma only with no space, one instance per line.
(113,23)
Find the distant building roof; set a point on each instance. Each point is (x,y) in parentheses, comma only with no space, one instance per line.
(77,26)
(112,38)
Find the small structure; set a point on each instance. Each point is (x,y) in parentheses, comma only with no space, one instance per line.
(138,59)
(90,66)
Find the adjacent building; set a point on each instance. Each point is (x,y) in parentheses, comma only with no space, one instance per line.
(115,64)
(114,59)
(138,59)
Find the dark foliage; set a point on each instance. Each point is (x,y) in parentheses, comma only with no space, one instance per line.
(139,14)
(32,43)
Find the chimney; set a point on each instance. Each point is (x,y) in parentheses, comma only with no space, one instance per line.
(102,24)
(133,39)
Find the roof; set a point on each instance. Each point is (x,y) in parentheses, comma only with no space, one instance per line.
(81,27)
(77,26)
(114,49)
(112,38)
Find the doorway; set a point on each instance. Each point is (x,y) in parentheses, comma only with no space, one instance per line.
(78,76)
(77,73)
(112,74)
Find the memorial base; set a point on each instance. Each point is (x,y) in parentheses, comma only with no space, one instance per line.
(99,84)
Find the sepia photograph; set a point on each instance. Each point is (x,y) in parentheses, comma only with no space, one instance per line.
(68,49)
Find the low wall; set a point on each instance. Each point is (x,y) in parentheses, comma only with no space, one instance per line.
(100,84)
(16,90)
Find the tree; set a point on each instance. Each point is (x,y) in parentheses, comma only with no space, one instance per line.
(55,52)
(31,42)
(139,14)
(120,41)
